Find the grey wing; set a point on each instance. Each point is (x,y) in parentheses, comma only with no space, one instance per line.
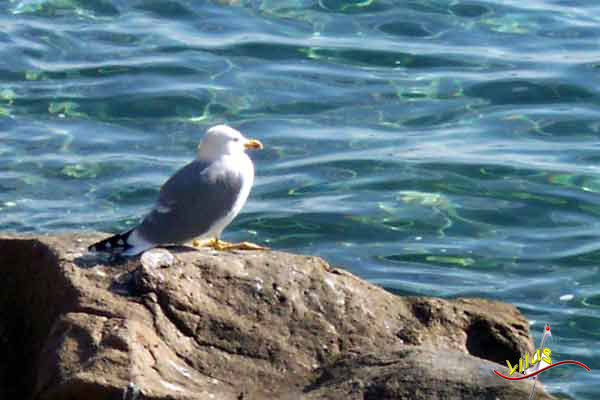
(190,202)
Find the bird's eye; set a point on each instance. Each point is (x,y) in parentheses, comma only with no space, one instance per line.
(236,139)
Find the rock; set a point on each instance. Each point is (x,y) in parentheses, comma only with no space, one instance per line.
(189,324)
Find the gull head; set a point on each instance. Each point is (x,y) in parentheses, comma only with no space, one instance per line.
(223,140)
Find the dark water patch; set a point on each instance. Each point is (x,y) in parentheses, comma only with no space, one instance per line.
(382,58)
(56,8)
(427,6)
(527,92)
(33,54)
(386,184)
(586,259)
(44,39)
(571,33)
(434,119)
(469,10)
(8,76)
(114,108)
(589,159)
(5,38)
(114,39)
(520,209)
(482,172)
(581,129)
(446,259)
(360,167)
(406,28)
(166,9)
(297,108)
(115,70)
(321,75)
(265,51)
(133,195)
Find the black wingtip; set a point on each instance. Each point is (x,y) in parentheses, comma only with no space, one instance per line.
(114,244)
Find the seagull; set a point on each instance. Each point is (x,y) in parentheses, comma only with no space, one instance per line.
(198,201)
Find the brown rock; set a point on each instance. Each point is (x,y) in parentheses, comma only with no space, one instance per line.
(246,325)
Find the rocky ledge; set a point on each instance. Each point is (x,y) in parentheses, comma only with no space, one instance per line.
(189,324)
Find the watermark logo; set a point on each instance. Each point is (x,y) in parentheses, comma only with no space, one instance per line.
(530,366)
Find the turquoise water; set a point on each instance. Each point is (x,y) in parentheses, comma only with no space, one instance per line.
(447,148)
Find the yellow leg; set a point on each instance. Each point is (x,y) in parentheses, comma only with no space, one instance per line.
(220,245)
(246,246)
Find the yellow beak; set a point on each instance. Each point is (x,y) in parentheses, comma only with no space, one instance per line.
(253,144)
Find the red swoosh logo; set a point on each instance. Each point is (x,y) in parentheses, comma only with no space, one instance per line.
(542,370)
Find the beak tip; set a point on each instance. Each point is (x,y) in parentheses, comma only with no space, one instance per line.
(254,144)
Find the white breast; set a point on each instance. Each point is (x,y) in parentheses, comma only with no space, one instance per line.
(242,165)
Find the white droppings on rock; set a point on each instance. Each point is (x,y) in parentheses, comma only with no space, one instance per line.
(172,386)
(157,258)
(385,323)
(330,283)
(182,370)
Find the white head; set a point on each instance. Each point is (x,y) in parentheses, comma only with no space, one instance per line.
(224,140)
